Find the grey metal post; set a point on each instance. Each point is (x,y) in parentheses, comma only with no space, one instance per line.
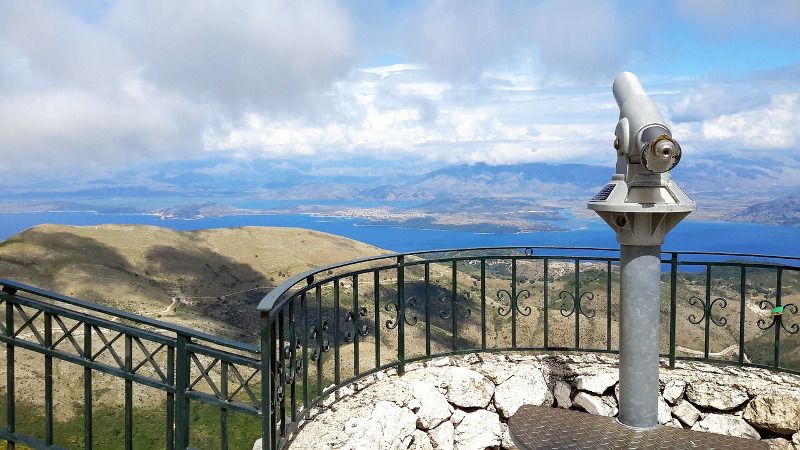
(640,313)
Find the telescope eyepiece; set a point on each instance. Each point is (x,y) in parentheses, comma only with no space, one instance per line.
(661,154)
(643,135)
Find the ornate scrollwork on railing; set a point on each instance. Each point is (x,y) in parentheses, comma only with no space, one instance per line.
(295,363)
(357,327)
(505,309)
(778,317)
(410,304)
(322,345)
(718,321)
(577,305)
(278,397)
(454,306)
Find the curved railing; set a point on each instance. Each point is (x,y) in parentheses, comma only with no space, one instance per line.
(327,327)
(330,326)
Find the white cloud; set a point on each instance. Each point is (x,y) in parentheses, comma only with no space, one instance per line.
(252,53)
(385,71)
(728,17)
(473,123)
(560,40)
(143,81)
(713,99)
(85,94)
(772,127)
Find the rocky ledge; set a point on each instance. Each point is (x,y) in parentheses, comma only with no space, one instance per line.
(465,402)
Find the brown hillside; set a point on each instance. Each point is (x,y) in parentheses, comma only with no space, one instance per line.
(208,279)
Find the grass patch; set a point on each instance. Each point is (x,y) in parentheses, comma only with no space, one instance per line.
(149,429)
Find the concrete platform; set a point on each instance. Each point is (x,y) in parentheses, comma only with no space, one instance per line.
(540,427)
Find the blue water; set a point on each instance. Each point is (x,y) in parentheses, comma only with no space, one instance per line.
(689,235)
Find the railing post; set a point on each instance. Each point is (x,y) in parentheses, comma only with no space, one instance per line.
(336,351)
(577,305)
(401,315)
(223,412)
(376,291)
(778,295)
(608,305)
(128,393)
(453,299)
(267,428)
(170,435)
(280,375)
(545,294)
(707,314)
(673,306)
(48,379)
(356,328)
(87,389)
(304,315)
(513,302)
(10,401)
(427,276)
(483,304)
(181,386)
(742,299)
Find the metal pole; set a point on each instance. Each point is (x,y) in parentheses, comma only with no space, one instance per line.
(639,334)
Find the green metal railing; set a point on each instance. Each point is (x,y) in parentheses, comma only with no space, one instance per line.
(330,326)
(411,307)
(187,367)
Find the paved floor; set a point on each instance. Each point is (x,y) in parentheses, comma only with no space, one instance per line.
(540,427)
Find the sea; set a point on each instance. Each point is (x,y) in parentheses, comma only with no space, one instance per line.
(689,235)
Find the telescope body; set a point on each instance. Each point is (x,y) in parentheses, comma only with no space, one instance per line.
(641,204)
(642,134)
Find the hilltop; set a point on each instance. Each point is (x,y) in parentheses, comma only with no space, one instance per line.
(210,280)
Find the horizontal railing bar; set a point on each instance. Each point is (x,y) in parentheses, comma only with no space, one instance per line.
(731,264)
(306,288)
(271,299)
(214,401)
(27,440)
(507,257)
(128,316)
(745,255)
(85,318)
(583,258)
(225,356)
(111,370)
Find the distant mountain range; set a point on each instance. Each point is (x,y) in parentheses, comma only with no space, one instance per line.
(782,211)
(721,184)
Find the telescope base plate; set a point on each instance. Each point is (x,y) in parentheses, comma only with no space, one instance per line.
(541,427)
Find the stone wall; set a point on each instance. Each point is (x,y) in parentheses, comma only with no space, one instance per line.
(465,402)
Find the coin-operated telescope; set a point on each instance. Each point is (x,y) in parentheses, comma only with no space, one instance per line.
(641,204)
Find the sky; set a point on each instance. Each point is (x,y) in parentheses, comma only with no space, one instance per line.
(93,89)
